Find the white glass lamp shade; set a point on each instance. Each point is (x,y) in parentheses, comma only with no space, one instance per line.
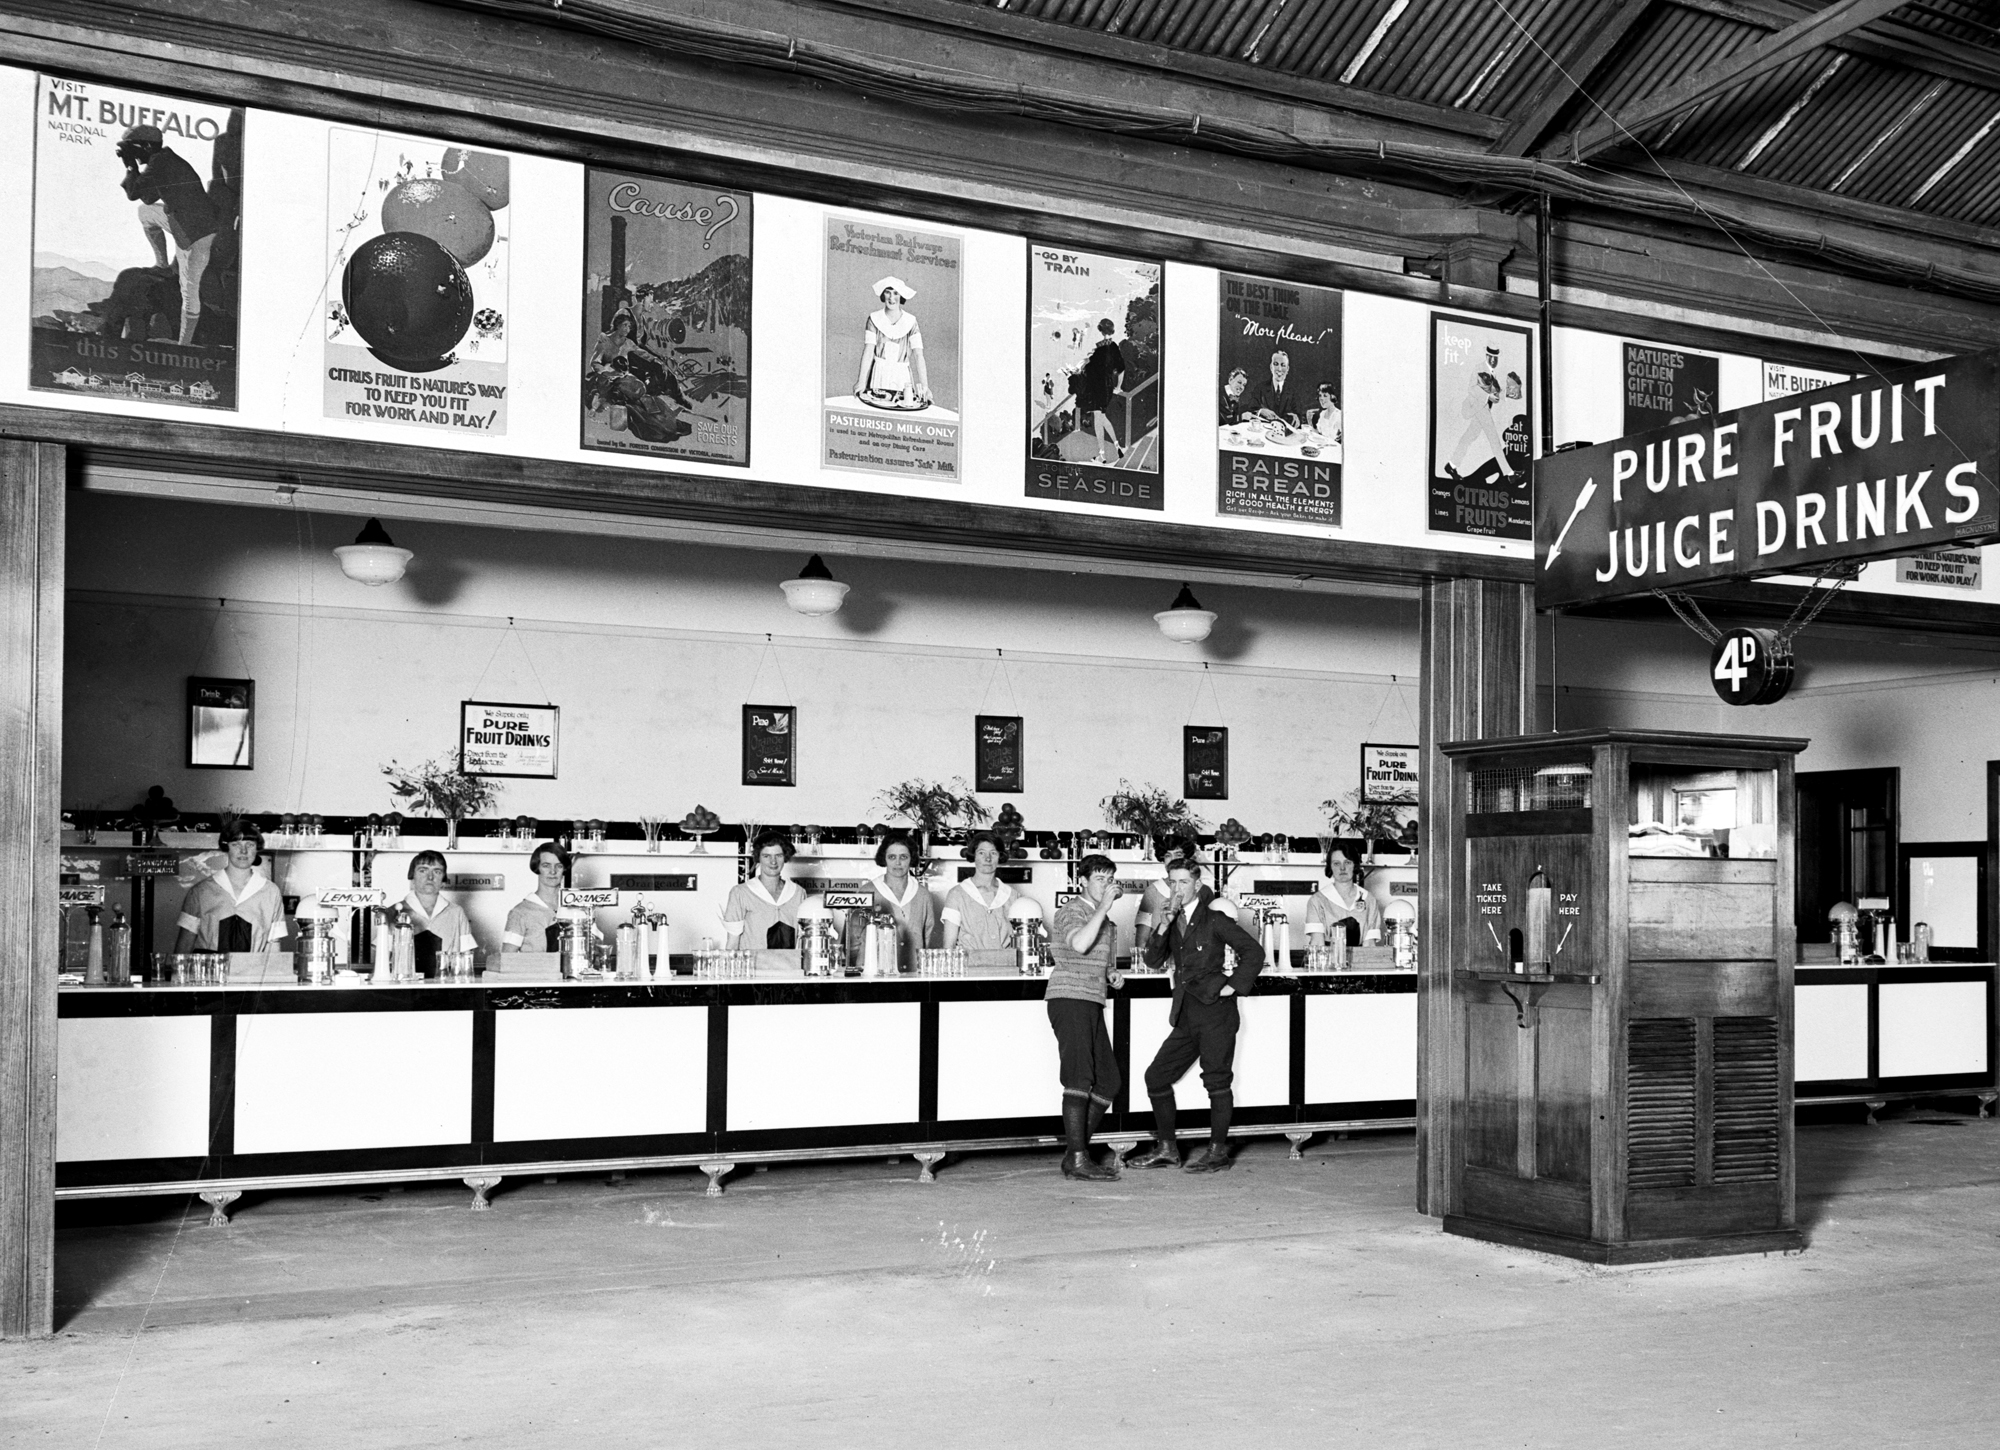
(1185,621)
(372,558)
(815,592)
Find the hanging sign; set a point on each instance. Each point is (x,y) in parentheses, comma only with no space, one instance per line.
(1951,568)
(996,750)
(770,744)
(1750,667)
(507,740)
(1205,762)
(1389,775)
(1897,463)
(1095,344)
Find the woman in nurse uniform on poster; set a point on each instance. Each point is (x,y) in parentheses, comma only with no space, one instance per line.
(892,352)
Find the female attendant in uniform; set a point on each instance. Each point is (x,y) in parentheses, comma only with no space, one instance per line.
(1341,898)
(763,912)
(892,352)
(975,910)
(237,909)
(1084,943)
(904,896)
(441,923)
(531,925)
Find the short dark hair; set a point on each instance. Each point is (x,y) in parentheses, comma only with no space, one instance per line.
(242,828)
(535,856)
(1337,849)
(1187,864)
(978,838)
(1106,326)
(772,838)
(426,858)
(1187,846)
(898,838)
(1090,865)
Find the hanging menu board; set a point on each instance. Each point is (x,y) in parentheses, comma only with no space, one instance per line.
(996,752)
(1205,762)
(770,744)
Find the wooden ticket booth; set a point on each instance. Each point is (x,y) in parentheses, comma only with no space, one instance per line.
(1621,1010)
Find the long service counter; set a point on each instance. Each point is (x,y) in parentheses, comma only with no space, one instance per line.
(221,1089)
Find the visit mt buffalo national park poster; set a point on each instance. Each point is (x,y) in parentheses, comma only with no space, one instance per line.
(137,237)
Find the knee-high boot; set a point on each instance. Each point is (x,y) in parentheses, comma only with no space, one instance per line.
(1077,1162)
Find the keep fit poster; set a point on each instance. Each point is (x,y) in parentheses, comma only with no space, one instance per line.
(889,349)
(1666,385)
(1278,410)
(416,273)
(137,241)
(1095,350)
(1482,399)
(666,318)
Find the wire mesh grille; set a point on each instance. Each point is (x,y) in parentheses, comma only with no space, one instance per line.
(1543,788)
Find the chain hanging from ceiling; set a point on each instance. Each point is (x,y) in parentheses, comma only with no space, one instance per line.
(1688,609)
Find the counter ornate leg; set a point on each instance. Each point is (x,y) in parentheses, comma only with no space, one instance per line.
(1985,1102)
(1118,1148)
(1875,1105)
(1299,1141)
(480,1188)
(716,1172)
(218,1201)
(927,1162)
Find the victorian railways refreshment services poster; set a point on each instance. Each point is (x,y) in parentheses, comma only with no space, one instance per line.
(416,320)
(889,349)
(1278,401)
(137,239)
(666,331)
(1095,349)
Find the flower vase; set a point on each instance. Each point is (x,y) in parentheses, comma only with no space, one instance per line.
(450,833)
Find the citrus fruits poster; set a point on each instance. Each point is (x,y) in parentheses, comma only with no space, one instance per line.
(137,230)
(416,321)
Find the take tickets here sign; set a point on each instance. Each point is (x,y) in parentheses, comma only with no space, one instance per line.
(1890,464)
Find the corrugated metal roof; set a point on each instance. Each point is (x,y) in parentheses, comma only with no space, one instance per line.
(1835,119)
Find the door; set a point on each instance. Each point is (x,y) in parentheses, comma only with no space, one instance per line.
(1846,843)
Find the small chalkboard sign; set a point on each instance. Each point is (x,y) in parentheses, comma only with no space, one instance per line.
(770,744)
(671,882)
(1205,762)
(997,754)
(1012,875)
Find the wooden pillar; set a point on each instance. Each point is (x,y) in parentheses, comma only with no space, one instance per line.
(1478,670)
(31,667)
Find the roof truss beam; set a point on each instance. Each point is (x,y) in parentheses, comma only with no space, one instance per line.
(1809,34)
(1574,69)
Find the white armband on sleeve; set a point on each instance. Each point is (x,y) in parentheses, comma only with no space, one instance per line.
(732,928)
(279,931)
(510,938)
(953,914)
(189,923)
(1142,921)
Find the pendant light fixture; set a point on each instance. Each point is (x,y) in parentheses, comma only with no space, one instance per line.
(815,592)
(1185,621)
(373,557)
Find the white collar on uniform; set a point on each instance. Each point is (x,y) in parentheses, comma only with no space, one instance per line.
(1329,888)
(895,331)
(255,884)
(882,885)
(417,907)
(1002,893)
(791,890)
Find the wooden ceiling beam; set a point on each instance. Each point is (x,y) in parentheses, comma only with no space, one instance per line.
(1801,38)
(1890,42)
(1574,69)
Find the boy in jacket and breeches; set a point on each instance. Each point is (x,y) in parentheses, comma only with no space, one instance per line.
(1203,1016)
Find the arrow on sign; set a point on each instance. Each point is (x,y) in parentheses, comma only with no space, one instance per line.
(1582,502)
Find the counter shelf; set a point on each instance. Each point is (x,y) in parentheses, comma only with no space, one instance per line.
(218,1090)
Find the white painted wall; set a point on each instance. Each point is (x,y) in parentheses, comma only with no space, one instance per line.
(651,650)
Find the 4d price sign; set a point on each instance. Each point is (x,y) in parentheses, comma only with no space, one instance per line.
(1751,667)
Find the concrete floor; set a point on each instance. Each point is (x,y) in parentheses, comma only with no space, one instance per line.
(848,1305)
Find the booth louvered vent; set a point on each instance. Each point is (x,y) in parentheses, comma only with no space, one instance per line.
(1659,1102)
(1746,1099)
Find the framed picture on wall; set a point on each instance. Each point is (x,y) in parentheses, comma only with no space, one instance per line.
(1205,762)
(222,721)
(516,742)
(997,748)
(1482,417)
(770,744)
(1389,775)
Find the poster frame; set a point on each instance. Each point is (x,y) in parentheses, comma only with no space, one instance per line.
(555,739)
(195,683)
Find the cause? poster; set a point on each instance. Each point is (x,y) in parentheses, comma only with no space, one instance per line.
(416,327)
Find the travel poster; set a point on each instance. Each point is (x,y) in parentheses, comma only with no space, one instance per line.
(1781,380)
(1095,349)
(1278,401)
(1666,385)
(1482,407)
(889,350)
(137,245)
(666,331)
(416,280)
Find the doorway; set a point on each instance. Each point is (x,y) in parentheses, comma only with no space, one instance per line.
(1847,838)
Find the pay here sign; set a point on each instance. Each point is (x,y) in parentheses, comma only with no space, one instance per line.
(1891,464)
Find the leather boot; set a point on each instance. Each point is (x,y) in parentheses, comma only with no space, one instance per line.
(1166,1149)
(1077,1162)
(1090,1126)
(1214,1160)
